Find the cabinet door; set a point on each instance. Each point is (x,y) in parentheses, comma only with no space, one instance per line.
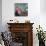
(20,37)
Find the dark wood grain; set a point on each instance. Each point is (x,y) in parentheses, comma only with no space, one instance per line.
(22,27)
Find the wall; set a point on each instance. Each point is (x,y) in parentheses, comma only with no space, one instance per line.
(43,14)
(34,15)
(0,15)
(8,11)
(43,6)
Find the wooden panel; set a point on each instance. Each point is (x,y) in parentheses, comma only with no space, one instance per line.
(22,27)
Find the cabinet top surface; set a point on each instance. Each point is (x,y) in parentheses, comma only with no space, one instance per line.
(19,23)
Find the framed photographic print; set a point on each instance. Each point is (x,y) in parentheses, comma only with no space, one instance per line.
(21,9)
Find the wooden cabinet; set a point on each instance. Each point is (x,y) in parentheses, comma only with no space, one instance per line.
(22,33)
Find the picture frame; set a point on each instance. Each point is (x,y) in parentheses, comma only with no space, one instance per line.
(21,9)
